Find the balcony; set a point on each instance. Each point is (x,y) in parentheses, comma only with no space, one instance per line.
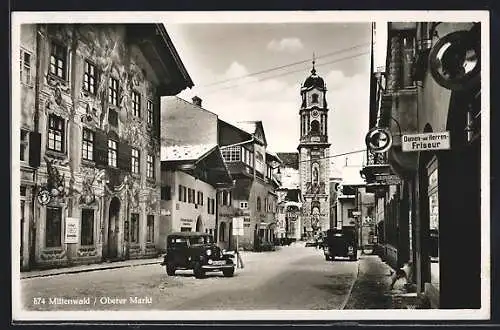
(376,164)
(239,169)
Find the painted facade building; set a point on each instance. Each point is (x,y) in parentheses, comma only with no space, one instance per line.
(253,197)
(90,164)
(314,164)
(433,76)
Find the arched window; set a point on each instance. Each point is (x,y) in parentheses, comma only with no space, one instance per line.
(222,232)
(315,127)
(258,204)
(314,98)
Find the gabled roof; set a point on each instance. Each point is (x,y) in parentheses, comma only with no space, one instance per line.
(255,128)
(185,152)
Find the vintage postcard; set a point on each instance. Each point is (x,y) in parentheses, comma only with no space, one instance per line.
(312,165)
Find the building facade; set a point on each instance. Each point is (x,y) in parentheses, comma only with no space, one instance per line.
(253,197)
(314,154)
(191,178)
(433,76)
(90,164)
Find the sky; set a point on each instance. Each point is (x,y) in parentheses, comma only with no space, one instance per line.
(226,62)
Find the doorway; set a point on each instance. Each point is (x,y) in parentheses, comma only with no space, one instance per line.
(113,222)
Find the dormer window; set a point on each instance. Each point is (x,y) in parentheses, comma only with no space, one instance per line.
(314,98)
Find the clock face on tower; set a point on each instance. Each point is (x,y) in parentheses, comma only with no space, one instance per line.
(315,113)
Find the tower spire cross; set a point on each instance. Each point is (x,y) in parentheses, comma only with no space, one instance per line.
(313,71)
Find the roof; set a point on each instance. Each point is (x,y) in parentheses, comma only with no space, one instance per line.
(248,126)
(189,152)
(273,156)
(289,159)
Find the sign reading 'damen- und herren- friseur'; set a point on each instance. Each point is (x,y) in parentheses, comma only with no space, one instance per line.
(426,141)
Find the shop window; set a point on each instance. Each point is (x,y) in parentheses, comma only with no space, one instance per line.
(58,61)
(134,228)
(25,61)
(151,228)
(55,140)
(113,91)
(53,227)
(24,146)
(136,104)
(185,229)
(87,227)
(90,78)
(87,144)
(112,153)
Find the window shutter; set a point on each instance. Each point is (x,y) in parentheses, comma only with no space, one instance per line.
(124,156)
(101,149)
(35,146)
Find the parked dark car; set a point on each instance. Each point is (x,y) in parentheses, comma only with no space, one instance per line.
(341,243)
(196,251)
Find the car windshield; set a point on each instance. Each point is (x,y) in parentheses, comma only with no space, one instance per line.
(200,240)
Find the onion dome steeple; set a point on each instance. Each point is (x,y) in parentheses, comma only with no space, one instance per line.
(314,80)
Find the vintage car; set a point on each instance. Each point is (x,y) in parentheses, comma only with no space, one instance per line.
(341,243)
(196,251)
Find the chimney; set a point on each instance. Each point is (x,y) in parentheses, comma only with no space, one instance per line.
(196,101)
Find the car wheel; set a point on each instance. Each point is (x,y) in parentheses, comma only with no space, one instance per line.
(228,272)
(198,271)
(327,258)
(170,269)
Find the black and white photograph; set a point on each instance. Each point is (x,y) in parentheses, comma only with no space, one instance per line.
(250,165)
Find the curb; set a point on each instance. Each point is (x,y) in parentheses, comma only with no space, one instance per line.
(87,270)
(352,285)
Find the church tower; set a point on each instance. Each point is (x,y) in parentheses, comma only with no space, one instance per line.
(314,154)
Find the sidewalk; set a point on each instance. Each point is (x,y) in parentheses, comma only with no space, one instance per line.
(90,268)
(372,288)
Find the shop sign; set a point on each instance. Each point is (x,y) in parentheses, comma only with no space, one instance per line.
(44,197)
(187,222)
(378,140)
(72,231)
(387,179)
(426,141)
(238,226)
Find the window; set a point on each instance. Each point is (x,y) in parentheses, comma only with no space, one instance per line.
(24,147)
(25,67)
(314,98)
(150,173)
(150,118)
(211,205)
(135,160)
(87,227)
(222,232)
(87,144)
(226,198)
(56,133)
(166,193)
(200,198)
(90,78)
(151,229)
(113,91)
(112,153)
(258,204)
(134,228)
(136,104)
(58,61)
(231,154)
(180,193)
(113,118)
(244,205)
(53,227)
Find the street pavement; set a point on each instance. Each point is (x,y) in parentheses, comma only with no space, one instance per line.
(291,278)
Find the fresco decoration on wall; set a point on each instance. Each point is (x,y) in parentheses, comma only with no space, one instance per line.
(133,190)
(55,181)
(58,97)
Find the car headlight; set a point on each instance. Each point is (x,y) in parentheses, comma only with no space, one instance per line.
(209,252)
